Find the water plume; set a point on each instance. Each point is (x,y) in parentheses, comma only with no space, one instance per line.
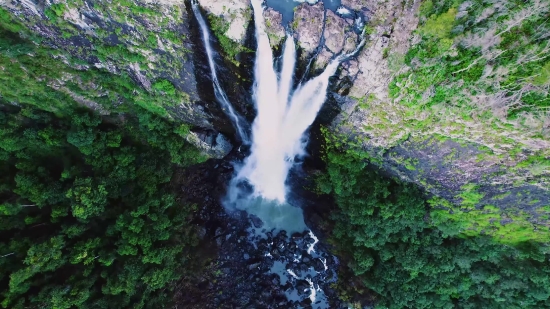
(283,115)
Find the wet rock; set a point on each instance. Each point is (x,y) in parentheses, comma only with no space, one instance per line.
(257,222)
(214,144)
(307,25)
(318,265)
(351,41)
(274,26)
(323,58)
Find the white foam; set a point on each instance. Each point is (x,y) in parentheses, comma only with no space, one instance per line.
(343,11)
(311,247)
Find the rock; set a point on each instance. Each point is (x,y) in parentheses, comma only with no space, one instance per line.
(150,48)
(334,34)
(235,12)
(274,26)
(323,58)
(307,27)
(213,144)
(359,5)
(257,222)
(350,42)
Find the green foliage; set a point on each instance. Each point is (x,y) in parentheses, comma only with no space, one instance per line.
(392,239)
(87,217)
(480,66)
(29,71)
(165,86)
(439,26)
(544,76)
(7,22)
(55,11)
(219,26)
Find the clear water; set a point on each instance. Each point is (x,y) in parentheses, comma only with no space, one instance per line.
(275,216)
(286,7)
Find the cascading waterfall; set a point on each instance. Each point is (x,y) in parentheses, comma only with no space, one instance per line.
(283,115)
(238,122)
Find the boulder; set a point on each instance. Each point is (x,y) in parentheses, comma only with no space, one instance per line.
(213,144)
(335,28)
(308,25)
(274,26)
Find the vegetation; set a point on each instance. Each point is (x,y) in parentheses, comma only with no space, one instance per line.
(406,255)
(88,219)
(219,26)
(478,64)
(87,214)
(473,84)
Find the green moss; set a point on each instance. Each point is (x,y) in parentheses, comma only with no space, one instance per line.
(55,11)
(515,229)
(219,26)
(470,196)
(165,86)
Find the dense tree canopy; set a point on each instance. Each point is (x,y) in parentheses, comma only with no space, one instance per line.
(87,219)
(384,228)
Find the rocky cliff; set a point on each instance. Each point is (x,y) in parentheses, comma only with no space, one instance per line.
(452,96)
(154,44)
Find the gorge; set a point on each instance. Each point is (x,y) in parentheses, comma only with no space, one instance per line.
(277,154)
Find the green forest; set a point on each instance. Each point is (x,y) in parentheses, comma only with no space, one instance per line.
(88,217)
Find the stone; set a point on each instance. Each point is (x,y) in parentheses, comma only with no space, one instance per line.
(334,32)
(213,144)
(274,26)
(307,28)
(350,42)
(323,57)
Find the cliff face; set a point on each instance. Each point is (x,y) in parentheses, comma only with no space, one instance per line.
(452,96)
(455,99)
(155,44)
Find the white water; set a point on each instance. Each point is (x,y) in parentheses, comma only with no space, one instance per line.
(282,117)
(236,119)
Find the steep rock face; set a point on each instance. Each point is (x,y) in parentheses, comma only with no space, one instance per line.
(308,25)
(151,42)
(339,36)
(446,132)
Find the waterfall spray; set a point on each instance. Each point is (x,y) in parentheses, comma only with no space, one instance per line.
(238,122)
(283,116)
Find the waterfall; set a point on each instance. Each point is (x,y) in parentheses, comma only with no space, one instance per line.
(283,115)
(238,122)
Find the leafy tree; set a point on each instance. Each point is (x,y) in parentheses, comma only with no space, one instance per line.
(87,218)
